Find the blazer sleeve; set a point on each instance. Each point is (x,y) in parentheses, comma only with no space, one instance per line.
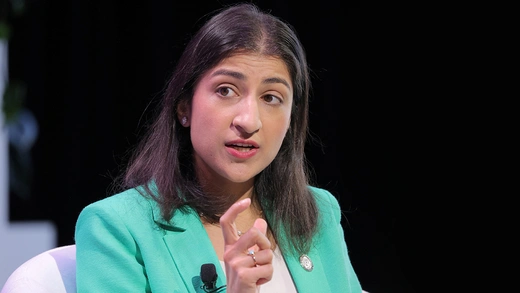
(107,256)
(333,246)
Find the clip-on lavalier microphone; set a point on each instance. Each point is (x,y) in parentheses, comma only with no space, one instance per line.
(208,275)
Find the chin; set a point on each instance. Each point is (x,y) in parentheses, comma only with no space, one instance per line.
(240,178)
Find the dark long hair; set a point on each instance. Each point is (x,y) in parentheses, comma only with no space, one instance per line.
(162,163)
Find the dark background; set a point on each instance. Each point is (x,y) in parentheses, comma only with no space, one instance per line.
(92,67)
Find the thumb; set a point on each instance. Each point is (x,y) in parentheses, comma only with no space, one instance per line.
(261,225)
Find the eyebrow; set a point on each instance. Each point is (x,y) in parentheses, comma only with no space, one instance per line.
(241,76)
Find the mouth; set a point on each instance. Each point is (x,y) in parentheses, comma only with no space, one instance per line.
(241,147)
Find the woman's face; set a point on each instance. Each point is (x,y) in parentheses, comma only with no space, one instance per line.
(239,116)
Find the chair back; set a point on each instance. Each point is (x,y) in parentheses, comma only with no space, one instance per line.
(52,271)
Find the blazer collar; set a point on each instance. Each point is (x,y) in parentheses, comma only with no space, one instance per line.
(189,246)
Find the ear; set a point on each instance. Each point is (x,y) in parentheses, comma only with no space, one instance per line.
(183,113)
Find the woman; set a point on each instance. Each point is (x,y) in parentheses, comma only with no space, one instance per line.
(217,197)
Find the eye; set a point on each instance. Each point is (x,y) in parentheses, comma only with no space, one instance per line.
(272,99)
(225,91)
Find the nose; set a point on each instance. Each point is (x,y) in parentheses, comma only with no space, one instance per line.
(247,119)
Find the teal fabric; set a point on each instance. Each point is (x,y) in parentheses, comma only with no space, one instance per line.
(123,245)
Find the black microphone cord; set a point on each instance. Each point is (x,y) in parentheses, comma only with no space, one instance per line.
(212,290)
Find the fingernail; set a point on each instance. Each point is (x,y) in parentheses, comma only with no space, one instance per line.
(244,201)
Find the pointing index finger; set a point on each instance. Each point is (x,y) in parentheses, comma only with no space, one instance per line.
(227,221)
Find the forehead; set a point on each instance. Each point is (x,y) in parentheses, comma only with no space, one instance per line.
(254,64)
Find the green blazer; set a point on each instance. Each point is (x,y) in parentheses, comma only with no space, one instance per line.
(124,245)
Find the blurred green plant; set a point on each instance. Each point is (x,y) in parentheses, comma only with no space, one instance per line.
(21,126)
(8,10)
(4,30)
(14,91)
(14,97)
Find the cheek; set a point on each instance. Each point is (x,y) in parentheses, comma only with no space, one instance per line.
(277,130)
(202,116)
(203,125)
(203,120)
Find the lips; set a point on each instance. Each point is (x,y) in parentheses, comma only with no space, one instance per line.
(242,147)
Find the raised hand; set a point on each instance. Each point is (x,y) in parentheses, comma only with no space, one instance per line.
(248,258)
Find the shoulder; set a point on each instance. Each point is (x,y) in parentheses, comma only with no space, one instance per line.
(126,198)
(125,215)
(320,192)
(327,203)
(127,204)
(323,196)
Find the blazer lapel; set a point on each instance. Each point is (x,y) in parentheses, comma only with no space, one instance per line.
(305,281)
(190,247)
